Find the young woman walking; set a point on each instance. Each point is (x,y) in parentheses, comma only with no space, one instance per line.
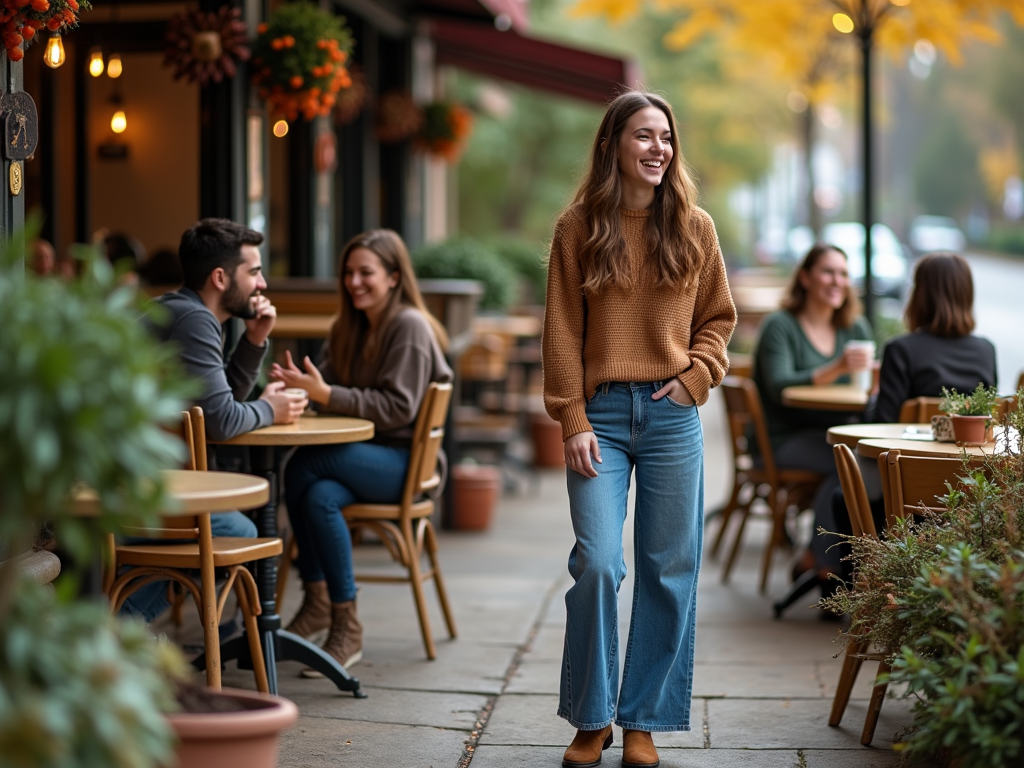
(636,325)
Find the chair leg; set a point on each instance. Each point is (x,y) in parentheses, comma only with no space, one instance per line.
(875,705)
(847,678)
(726,515)
(417,592)
(777,537)
(737,542)
(259,667)
(442,593)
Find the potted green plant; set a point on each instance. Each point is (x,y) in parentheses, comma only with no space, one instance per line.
(971,413)
(942,595)
(84,393)
(469,259)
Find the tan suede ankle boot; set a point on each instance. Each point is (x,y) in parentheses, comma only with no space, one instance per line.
(585,750)
(638,750)
(345,641)
(315,614)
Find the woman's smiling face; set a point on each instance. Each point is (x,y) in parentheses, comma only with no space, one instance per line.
(645,149)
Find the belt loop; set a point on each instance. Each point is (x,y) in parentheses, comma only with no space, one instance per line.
(604,387)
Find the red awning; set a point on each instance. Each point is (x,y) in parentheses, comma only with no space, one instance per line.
(548,66)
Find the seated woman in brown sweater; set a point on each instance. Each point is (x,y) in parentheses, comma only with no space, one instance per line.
(383,351)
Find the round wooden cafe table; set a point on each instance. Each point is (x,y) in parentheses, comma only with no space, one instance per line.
(852,434)
(870,449)
(194,492)
(831,397)
(265,458)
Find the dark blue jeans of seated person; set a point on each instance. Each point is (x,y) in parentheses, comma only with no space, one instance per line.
(322,479)
(150,601)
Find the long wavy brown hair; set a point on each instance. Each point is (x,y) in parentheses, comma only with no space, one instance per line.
(672,237)
(350,332)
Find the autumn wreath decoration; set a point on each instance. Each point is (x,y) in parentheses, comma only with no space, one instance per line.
(205,46)
(299,58)
(21,20)
(446,126)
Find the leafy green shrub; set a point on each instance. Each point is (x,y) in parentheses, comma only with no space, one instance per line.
(84,392)
(942,594)
(529,261)
(1008,238)
(469,259)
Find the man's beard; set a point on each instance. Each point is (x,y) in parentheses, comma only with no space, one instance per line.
(237,304)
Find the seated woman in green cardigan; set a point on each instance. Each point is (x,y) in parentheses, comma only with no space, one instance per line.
(805,343)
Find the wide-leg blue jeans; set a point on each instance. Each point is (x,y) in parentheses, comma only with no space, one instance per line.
(663,442)
(319,481)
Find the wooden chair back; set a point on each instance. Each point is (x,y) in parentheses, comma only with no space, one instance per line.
(746,417)
(918,481)
(426,443)
(918,410)
(854,492)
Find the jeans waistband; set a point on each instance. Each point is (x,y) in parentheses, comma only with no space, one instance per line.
(631,385)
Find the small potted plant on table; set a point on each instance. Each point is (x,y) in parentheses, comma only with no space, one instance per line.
(971,413)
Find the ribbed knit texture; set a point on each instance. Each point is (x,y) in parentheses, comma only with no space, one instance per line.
(650,332)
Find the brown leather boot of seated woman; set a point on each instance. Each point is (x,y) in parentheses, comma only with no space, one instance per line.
(638,750)
(345,641)
(585,750)
(315,614)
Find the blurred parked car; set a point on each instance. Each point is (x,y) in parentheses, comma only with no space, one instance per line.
(936,233)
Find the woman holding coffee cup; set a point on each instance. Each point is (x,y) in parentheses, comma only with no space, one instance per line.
(818,337)
(383,351)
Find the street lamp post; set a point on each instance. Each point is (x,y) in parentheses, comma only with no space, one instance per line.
(868,212)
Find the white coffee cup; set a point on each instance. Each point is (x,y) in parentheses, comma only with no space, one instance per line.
(295,391)
(862,378)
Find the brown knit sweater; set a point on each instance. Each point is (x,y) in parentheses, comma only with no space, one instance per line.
(648,333)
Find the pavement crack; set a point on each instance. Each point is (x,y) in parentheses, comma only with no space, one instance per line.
(469,748)
(706,726)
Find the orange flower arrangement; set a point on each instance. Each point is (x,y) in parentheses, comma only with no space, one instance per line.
(446,126)
(299,58)
(21,19)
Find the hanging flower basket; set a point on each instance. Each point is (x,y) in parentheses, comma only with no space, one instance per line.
(352,100)
(399,118)
(446,126)
(299,59)
(206,46)
(22,20)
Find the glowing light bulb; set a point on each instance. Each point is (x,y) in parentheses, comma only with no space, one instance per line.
(119,122)
(114,65)
(281,128)
(96,63)
(54,54)
(843,23)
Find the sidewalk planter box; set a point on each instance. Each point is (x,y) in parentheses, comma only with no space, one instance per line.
(475,492)
(548,448)
(243,739)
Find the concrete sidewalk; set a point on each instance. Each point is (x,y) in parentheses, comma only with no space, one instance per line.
(762,688)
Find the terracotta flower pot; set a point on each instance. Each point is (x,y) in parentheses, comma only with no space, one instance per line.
(548,448)
(246,739)
(972,430)
(475,492)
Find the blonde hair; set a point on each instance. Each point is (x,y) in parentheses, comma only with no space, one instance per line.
(350,331)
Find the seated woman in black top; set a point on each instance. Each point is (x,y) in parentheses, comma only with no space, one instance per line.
(940,350)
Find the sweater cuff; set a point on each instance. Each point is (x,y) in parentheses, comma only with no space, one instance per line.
(574,420)
(697,380)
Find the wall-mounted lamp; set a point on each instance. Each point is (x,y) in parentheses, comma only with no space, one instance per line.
(281,128)
(114,65)
(118,121)
(96,62)
(54,54)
